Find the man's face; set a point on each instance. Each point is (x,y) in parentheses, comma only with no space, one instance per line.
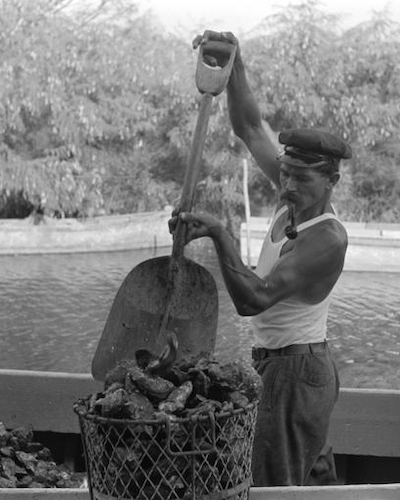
(303,186)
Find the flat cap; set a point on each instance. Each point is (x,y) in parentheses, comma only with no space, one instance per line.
(306,147)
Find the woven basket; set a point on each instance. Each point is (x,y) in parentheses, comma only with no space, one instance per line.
(201,457)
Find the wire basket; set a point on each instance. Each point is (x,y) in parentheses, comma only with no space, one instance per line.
(201,457)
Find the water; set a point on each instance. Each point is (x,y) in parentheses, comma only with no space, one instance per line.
(53,309)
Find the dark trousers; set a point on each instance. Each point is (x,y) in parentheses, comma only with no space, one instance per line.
(290,445)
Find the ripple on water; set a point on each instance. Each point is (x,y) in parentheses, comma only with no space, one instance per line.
(53,309)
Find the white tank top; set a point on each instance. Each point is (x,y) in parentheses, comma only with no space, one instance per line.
(289,321)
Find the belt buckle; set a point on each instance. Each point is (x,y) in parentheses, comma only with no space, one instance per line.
(259,353)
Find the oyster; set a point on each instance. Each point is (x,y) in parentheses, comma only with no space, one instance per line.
(154,387)
(176,400)
(167,358)
(112,404)
(139,407)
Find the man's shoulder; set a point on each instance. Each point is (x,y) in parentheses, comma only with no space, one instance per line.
(327,239)
(333,231)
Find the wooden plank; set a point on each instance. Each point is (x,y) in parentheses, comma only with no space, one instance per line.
(364,422)
(367,422)
(43,399)
(44,494)
(347,492)
(352,492)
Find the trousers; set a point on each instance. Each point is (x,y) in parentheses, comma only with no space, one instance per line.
(291,436)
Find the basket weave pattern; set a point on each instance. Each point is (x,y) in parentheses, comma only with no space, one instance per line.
(202,457)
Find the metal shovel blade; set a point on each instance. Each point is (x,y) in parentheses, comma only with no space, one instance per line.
(138,309)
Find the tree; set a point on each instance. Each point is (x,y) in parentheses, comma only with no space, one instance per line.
(98,108)
(346,82)
(80,102)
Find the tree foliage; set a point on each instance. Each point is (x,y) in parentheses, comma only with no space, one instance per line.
(309,73)
(86,102)
(98,107)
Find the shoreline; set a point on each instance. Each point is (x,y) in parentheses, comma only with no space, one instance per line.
(372,247)
(96,234)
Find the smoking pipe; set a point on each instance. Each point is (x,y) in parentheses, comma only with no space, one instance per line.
(290,229)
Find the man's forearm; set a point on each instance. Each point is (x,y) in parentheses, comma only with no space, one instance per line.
(241,283)
(243,109)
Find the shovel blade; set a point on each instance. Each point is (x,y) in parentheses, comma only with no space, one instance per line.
(137,311)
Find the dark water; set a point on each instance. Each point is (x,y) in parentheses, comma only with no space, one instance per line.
(53,309)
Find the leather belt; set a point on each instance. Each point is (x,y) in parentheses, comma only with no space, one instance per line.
(260,353)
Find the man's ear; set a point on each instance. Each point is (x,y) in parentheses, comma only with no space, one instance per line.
(334,178)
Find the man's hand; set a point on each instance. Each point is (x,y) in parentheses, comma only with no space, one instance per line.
(216,36)
(210,50)
(198,225)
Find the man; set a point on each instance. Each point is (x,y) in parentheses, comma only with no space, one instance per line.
(288,294)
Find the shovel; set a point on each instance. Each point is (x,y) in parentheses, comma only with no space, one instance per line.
(170,294)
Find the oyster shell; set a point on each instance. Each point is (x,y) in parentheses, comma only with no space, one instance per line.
(176,400)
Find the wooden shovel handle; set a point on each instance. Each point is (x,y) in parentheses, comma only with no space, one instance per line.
(210,81)
(187,199)
(192,172)
(214,66)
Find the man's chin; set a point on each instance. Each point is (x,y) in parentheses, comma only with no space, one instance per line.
(290,202)
(287,198)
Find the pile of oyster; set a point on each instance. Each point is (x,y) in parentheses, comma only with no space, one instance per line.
(179,431)
(191,387)
(26,463)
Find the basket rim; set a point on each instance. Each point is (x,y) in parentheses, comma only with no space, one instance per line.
(81,410)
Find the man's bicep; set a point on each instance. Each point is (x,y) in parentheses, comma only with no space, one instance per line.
(313,261)
(318,260)
(297,271)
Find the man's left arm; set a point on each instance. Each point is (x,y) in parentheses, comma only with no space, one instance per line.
(314,262)
(308,270)
(311,268)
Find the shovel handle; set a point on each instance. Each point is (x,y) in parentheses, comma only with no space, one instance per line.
(210,81)
(192,173)
(214,66)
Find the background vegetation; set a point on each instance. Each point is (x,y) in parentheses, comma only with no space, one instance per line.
(98,106)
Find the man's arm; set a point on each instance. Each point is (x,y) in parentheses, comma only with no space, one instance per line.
(247,124)
(309,270)
(243,110)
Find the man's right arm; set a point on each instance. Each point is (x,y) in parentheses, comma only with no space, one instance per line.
(247,124)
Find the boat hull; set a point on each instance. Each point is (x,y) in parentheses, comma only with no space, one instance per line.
(347,492)
(364,434)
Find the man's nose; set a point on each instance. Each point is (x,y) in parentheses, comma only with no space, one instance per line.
(290,185)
